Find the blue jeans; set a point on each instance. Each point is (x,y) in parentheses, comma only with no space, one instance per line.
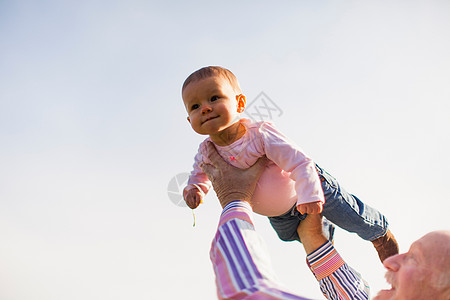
(341,208)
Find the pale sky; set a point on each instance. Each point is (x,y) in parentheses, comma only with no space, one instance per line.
(92,130)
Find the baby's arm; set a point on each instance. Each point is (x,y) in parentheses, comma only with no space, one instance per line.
(198,184)
(291,158)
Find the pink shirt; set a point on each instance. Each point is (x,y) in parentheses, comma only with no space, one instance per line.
(289,178)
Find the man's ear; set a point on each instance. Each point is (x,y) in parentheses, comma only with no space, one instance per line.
(240,102)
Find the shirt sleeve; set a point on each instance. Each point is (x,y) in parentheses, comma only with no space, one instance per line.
(337,280)
(241,261)
(197,178)
(292,159)
(243,270)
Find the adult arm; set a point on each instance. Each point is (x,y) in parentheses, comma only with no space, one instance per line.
(243,268)
(239,256)
(337,280)
(240,260)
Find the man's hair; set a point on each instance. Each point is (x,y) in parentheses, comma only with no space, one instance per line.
(210,71)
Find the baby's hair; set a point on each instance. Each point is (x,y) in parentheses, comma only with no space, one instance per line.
(210,71)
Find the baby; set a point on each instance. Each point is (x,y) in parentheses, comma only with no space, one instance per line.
(291,186)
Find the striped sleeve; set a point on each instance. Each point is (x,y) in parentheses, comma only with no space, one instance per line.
(240,259)
(337,280)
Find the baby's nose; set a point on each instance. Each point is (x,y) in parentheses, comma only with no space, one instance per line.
(206,109)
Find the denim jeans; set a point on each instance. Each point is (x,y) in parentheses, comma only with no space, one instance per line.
(341,208)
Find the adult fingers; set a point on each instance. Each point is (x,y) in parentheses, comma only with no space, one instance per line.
(209,170)
(259,166)
(315,219)
(215,158)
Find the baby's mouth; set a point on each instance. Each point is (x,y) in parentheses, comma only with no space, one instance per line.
(208,119)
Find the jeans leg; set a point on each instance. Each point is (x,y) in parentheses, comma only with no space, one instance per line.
(328,229)
(348,212)
(286,225)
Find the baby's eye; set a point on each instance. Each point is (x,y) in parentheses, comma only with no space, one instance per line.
(195,106)
(214,98)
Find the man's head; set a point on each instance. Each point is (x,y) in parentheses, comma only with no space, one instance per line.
(213,100)
(421,273)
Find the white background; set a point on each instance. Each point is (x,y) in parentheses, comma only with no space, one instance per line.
(92,129)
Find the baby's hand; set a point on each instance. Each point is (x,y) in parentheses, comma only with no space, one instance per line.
(193,198)
(312,208)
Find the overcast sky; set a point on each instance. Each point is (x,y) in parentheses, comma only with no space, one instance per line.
(93,129)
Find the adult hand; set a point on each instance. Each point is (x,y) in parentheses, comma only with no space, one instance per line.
(311,233)
(231,183)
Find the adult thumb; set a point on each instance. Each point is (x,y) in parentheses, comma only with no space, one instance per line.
(208,169)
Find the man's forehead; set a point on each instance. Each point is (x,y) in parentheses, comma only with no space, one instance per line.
(435,247)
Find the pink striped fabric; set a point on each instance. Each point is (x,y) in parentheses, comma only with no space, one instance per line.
(243,270)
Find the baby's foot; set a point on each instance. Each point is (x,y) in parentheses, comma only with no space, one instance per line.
(386,245)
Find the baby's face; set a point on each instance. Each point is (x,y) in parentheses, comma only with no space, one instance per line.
(211,104)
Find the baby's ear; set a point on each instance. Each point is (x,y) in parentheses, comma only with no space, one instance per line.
(240,102)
